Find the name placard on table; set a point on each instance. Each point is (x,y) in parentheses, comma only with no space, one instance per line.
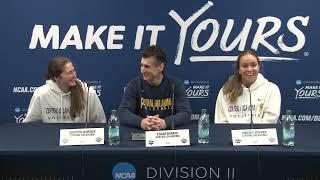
(168,138)
(254,137)
(84,136)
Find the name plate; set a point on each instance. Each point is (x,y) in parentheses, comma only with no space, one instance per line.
(254,137)
(168,138)
(85,136)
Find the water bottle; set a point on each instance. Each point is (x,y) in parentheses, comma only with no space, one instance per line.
(203,127)
(114,128)
(288,129)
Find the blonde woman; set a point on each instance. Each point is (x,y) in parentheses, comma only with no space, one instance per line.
(247,95)
(63,99)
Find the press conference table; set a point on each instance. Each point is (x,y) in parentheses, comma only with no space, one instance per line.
(32,151)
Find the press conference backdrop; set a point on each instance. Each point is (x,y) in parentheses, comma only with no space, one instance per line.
(104,38)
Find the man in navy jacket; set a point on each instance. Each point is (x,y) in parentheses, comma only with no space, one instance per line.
(154,101)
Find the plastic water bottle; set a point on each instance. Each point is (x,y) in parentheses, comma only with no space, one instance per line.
(114,128)
(288,129)
(203,127)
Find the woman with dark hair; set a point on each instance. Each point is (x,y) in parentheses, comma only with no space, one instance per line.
(63,99)
(247,95)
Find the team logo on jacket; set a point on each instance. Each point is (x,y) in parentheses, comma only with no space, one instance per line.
(155,104)
(261,108)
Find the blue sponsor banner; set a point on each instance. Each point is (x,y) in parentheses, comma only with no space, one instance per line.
(201,38)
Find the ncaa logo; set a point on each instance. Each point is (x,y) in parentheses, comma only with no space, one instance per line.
(124,170)
(186,82)
(298,82)
(17,109)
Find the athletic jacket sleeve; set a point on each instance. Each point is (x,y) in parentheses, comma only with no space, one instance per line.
(96,111)
(272,105)
(219,115)
(128,105)
(34,110)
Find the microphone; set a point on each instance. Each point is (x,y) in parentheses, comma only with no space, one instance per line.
(172,107)
(250,107)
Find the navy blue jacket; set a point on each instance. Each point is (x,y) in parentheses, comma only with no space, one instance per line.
(141,99)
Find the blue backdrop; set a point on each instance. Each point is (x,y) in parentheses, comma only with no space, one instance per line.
(201,39)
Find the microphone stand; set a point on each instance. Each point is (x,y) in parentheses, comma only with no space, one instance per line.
(172,108)
(87,104)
